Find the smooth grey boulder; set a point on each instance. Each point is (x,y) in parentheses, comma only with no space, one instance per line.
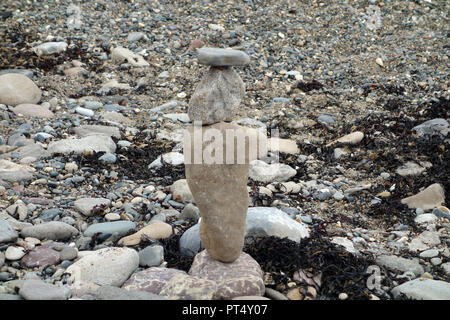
(121,227)
(40,290)
(53,230)
(424,289)
(400,264)
(218,57)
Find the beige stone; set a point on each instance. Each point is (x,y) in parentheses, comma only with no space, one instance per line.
(282,145)
(431,197)
(17,88)
(75,71)
(29,110)
(156,230)
(215,187)
(294,294)
(351,138)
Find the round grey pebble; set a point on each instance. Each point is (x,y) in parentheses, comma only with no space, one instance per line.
(108,158)
(436,261)
(65,264)
(338,195)
(4,276)
(151,256)
(68,254)
(190,212)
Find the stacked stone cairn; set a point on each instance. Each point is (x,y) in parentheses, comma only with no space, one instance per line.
(219,185)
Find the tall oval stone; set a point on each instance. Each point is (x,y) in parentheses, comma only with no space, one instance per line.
(17,88)
(220,192)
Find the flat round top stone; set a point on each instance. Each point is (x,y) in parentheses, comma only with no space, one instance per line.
(222,57)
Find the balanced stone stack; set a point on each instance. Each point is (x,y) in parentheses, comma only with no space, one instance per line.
(219,184)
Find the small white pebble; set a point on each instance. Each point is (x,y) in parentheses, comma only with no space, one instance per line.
(343,296)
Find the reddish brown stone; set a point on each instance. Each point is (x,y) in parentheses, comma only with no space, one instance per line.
(243,277)
(151,280)
(43,255)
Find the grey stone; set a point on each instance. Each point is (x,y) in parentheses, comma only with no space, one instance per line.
(136,36)
(410,169)
(42,136)
(53,230)
(40,290)
(86,205)
(93,105)
(49,214)
(89,130)
(290,211)
(48,48)
(429,253)
(171,158)
(34,150)
(275,295)
(425,218)
(7,232)
(92,143)
(436,261)
(68,254)
(446,268)
(151,256)
(190,212)
(84,112)
(183,117)
(190,242)
(424,289)
(276,172)
(222,57)
(424,241)
(108,158)
(325,119)
(122,228)
(346,243)
(431,127)
(400,264)
(25,72)
(338,195)
(443,212)
(7,296)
